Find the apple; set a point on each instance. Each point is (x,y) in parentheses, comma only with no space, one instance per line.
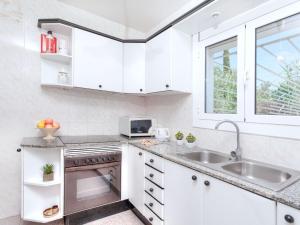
(49,121)
(48,126)
(56,124)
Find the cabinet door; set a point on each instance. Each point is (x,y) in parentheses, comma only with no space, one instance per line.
(287,215)
(158,63)
(229,205)
(136,177)
(134,67)
(98,62)
(183,195)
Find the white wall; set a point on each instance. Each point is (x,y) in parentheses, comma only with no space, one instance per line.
(175,112)
(23,101)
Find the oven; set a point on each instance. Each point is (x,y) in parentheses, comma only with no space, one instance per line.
(92,177)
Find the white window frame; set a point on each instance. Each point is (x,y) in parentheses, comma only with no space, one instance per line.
(250,88)
(200,75)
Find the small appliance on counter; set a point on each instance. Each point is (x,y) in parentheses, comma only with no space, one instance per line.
(162,134)
(136,126)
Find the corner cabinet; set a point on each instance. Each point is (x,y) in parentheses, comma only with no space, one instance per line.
(97,62)
(169,62)
(229,205)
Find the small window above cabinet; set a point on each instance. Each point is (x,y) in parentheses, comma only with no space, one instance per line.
(56,55)
(134,60)
(169,62)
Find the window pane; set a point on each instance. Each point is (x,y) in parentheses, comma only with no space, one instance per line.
(278,68)
(221,77)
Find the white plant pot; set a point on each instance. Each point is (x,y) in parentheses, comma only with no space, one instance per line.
(190,145)
(179,142)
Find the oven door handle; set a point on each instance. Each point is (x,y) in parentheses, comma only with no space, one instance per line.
(92,167)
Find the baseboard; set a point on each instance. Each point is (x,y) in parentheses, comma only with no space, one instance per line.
(140,216)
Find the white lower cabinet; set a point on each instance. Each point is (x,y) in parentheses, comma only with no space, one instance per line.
(287,215)
(136,177)
(183,195)
(229,205)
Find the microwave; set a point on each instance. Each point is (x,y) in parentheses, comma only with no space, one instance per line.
(136,126)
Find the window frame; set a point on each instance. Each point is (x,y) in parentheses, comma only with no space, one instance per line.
(200,75)
(250,85)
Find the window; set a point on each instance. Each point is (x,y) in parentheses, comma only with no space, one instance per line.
(278,68)
(221,77)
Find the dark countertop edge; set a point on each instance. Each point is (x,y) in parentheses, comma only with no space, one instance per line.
(272,195)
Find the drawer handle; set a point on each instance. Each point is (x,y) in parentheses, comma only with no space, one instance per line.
(19,150)
(206,183)
(151,190)
(140,154)
(151,175)
(151,219)
(100,86)
(289,218)
(194,177)
(151,204)
(152,160)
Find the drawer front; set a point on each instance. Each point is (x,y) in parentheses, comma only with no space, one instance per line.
(151,217)
(154,205)
(155,191)
(155,176)
(287,215)
(155,161)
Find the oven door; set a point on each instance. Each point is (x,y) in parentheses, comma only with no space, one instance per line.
(91,186)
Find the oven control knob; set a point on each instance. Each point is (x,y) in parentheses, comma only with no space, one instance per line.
(76,162)
(109,158)
(94,161)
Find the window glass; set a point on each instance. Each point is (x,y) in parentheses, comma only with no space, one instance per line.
(278,68)
(221,77)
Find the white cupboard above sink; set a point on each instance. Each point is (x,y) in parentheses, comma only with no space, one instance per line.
(97,62)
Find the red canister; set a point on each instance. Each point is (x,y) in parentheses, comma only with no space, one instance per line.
(48,43)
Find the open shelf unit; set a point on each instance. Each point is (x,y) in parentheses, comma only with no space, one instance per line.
(56,68)
(38,195)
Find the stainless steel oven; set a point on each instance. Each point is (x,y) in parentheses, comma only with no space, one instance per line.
(92,177)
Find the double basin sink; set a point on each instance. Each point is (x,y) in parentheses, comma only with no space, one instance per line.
(268,176)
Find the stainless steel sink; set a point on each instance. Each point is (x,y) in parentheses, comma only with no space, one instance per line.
(271,177)
(206,157)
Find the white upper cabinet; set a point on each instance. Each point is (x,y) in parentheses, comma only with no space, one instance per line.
(169,62)
(98,62)
(229,205)
(183,195)
(134,67)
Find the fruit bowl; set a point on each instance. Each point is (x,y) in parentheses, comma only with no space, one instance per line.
(48,132)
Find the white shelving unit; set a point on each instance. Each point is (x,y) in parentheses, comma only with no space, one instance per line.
(52,64)
(36,194)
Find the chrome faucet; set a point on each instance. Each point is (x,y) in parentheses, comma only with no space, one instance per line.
(237,154)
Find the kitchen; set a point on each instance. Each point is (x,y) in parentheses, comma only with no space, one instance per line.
(34,87)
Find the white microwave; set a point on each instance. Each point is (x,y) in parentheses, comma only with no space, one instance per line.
(136,126)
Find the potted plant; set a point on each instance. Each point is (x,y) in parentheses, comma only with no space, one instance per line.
(190,140)
(179,137)
(48,172)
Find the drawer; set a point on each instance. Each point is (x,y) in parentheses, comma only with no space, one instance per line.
(154,205)
(155,161)
(155,191)
(151,217)
(287,215)
(155,176)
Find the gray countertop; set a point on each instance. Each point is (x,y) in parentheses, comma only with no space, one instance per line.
(289,196)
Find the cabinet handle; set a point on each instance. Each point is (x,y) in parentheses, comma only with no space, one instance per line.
(151,204)
(151,190)
(141,90)
(206,183)
(151,175)
(140,154)
(289,218)
(152,160)
(167,86)
(151,219)
(19,150)
(100,86)
(194,177)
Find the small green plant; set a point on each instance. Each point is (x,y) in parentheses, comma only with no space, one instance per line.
(190,138)
(179,135)
(48,168)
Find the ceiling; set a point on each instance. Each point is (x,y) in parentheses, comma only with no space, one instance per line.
(142,15)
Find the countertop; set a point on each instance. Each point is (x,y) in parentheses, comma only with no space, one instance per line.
(288,196)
